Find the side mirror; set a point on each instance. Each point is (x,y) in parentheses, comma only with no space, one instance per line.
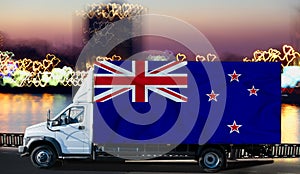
(51,123)
(48,115)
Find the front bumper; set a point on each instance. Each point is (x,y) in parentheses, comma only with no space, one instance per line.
(23,151)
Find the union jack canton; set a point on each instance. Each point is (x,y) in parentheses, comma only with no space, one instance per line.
(140,79)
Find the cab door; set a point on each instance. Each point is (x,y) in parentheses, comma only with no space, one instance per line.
(72,132)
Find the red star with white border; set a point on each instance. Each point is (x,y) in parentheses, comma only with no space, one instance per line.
(234,127)
(212,96)
(253,91)
(234,76)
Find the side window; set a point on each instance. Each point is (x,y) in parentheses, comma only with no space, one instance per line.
(76,114)
(72,115)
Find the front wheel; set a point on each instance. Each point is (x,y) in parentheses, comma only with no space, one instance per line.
(212,160)
(43,157)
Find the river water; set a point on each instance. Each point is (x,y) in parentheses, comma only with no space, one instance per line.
(17,111)
(21,110)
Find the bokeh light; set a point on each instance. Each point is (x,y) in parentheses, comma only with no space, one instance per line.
(111,11)
(39,73)
(46,72)
(288,56)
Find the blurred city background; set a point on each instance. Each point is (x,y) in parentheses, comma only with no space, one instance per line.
(40,42)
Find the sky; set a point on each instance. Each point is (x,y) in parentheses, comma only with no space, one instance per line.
(232,26)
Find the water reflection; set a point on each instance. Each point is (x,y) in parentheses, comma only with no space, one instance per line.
(290,121)
(21,110)
(17,111)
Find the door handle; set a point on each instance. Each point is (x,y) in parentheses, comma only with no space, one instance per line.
(81,127)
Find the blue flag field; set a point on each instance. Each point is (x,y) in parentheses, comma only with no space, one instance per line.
(161,102)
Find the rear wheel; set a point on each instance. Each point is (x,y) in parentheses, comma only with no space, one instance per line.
(43,157)
(212,160)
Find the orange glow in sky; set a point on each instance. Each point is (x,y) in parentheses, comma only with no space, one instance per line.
(233,26)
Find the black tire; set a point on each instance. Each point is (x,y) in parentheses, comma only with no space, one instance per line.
(43,157)
(212,160)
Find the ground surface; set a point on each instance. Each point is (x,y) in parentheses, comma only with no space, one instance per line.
(11,162)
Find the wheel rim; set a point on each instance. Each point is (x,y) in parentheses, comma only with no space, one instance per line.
(43,157)
(211,160)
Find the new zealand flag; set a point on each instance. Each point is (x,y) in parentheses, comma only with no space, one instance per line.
(187,102)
